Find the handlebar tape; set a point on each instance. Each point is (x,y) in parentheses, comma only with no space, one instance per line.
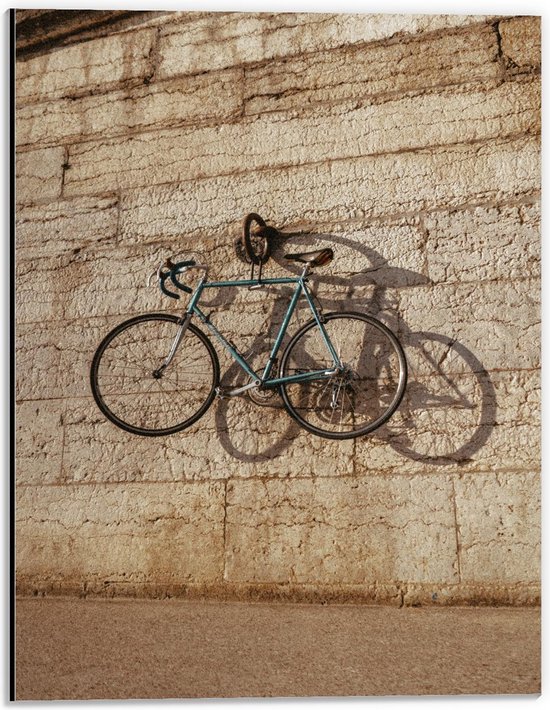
(175,269)
(172,275)
(163,288)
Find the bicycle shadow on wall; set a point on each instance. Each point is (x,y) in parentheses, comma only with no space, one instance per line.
(449,407)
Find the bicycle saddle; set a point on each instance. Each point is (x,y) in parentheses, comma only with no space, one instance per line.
(313,258)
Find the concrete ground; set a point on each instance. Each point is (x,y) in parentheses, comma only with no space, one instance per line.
(84,649)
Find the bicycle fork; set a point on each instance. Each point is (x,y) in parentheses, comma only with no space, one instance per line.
(157,374)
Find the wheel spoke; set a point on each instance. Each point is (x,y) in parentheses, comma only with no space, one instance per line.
(342,412)
(123,382)
(365,394)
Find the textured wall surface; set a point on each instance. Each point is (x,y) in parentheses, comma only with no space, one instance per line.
(408,143)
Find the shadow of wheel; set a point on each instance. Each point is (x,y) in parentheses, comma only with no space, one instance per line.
(449,408)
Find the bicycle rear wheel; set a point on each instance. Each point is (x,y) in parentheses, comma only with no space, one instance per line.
(360,398)
(127,386)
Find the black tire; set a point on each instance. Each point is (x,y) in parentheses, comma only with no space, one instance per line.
(365,395)
(128,393)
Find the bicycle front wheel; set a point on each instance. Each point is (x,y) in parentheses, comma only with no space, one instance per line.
(357,400)
(132,393)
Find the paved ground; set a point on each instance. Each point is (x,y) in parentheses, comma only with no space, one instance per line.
(82,649)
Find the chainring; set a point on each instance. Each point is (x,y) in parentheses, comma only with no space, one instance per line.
(263,396)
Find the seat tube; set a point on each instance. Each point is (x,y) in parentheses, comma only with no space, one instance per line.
(319,321)
(282,329)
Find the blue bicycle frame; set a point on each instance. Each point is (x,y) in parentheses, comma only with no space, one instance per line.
(265,379)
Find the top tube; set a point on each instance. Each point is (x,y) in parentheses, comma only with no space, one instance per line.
(252,282)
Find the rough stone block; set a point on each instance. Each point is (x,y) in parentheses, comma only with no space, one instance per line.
(332,191)
(484,243)
(388,252)
(53,359)
(221,40)
(39,441)
(88,284)
(169,533)
(59,227)
(448,424)
(346,531)
(521,41)
(178,102)
(276,140)
(86,67)
(357,71)
(498,520)
(82,285)
(500,326)
(454,423)
(38,362)
(519,398)
(234,439)
(39,174)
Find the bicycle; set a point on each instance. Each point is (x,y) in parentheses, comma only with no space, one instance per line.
(341,375)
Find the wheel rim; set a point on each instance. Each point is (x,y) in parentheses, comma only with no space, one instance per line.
(363,395)
(132,391)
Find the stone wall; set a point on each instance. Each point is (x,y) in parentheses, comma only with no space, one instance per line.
(408,143)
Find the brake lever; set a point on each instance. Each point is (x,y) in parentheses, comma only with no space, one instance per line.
(151,275)
(156,273)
